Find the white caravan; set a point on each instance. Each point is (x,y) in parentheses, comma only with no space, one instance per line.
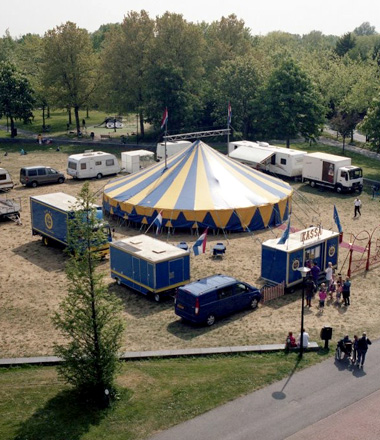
(6,182)
(171,148)
(92,164)
(262,156)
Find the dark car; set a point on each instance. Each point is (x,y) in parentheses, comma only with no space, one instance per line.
(40,175)
(210,298)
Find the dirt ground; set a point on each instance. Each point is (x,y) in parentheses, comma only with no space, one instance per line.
(33,281)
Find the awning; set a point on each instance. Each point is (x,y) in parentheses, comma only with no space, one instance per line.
(251,155)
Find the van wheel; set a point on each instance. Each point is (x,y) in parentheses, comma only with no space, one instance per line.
(254,303)
(34,184)
(99,175)
(312,183)
(157,297)
(45,241)
(210,320)
(61,180)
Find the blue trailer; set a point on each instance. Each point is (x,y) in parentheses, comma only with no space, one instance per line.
(280,262)
(50,214)
(148,265)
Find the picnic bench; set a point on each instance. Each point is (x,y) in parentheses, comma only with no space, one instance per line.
(105,136)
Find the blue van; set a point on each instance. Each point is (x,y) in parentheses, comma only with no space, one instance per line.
(210,298)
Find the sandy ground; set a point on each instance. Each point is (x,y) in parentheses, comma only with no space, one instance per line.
(33,280)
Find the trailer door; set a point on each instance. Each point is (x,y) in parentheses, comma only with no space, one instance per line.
(176,271)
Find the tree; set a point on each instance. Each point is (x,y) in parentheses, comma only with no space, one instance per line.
(89,317)
(365,29)
(345,44)
(70,70)
(344,123)
(371,124)
(292,104)
(16,95)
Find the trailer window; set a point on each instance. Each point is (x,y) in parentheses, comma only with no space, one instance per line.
(110,162)
(72,165)
(83,166)
(283,161)
(3,176)
(98,163)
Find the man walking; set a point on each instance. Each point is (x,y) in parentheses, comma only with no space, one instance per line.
(357,205)
(346,291)
(363,343)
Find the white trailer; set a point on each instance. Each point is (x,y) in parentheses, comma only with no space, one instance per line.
(133,161)
(171,148)
(270,158)
(6,182)
(92,164)
(332,171)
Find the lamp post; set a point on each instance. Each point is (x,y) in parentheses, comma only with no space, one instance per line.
(304,271)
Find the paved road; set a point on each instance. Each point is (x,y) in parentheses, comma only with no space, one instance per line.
(324,398)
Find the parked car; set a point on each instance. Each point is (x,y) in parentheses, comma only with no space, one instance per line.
(40,175)
(205,300)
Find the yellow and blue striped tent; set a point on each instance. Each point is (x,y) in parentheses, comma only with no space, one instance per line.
(200,188)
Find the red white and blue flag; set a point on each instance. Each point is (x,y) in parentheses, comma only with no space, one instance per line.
(229,115)
(285,235)
(199,246)
(165,118)
(158,222)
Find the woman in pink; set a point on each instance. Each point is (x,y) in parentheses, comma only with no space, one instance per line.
(322,296)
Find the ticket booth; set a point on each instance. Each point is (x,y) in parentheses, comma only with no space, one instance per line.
(280,262)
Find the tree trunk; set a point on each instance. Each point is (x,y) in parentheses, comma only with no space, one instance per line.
(48,112)
(77,123)
(12,126)
(69,114)
(87,115)
(142,131)
(287,143)
(43,118)
(352,136)
(344,142)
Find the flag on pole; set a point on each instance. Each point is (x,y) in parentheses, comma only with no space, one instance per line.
(199,246)
(229,115)
(285,235)
(337,221)
(158,222)
(165,117)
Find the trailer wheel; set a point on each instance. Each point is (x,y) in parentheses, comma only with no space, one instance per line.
(210,320)
(312,183)
(45,241)
(99,175)
(157,297)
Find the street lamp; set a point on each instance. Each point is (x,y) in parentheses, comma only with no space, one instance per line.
(304,271)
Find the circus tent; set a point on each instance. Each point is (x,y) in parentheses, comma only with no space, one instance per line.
(200,187)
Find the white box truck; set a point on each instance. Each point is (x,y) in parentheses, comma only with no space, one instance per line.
(171,148)
(270,158)
(332,171)
(92,164)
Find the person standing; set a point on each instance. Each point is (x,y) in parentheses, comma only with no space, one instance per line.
(329,275)
(309,290)
(322,297)
(363,343)
(315,270)
(346,291)
(357,205)
(355,349)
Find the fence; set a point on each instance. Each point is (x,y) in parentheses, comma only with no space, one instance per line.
(272,292)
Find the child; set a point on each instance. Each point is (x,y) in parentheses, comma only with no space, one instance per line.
(338,292)
(332,289)
(322,297)
(290,341)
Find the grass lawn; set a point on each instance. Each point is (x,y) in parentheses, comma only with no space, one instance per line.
(154,395)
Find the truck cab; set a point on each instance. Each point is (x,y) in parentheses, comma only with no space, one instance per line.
(349,178)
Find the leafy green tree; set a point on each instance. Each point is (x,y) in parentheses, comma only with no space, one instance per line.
(292,104)
(371,124)
(345,44)
(344,123)
(89,317)
(70,71)
(365,29)
(125,64)
(16,95)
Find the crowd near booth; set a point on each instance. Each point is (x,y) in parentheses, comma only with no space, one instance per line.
(197,188)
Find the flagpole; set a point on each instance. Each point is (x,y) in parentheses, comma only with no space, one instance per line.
(166,133)
(228,129)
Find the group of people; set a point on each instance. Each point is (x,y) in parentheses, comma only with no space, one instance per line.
(291,341)
(332,287)
(356,349)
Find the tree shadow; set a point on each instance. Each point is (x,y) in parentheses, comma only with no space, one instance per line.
(64,416)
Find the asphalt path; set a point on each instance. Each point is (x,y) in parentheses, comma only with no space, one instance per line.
(319,402)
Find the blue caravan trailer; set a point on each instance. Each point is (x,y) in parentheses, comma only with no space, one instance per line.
(280,262)
(148,265)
